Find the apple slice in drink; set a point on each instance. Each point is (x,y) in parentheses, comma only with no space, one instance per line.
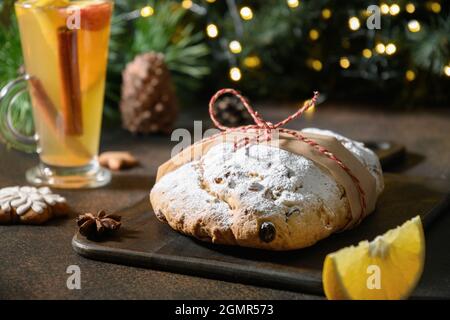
(94,16)
(93,38)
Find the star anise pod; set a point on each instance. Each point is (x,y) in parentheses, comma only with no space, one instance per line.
(94,226)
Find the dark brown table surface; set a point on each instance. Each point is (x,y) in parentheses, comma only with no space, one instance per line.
(34,259)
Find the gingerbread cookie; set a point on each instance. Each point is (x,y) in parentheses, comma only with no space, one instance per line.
(117,160)
(30,205)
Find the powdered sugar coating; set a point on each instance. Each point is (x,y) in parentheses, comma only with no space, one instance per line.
(363,154)
(250,174)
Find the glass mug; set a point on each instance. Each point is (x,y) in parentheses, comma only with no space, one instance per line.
(65,48)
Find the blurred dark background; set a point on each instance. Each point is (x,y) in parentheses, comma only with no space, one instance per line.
(277,50)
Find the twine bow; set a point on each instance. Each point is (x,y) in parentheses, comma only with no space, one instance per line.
(264,130)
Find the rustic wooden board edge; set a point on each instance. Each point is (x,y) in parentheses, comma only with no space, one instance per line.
(437,210)
(285,279)
(195,266)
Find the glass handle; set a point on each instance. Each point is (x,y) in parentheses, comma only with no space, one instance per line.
(8,133)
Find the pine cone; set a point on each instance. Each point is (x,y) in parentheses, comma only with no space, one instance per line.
(231,112)
(148,103)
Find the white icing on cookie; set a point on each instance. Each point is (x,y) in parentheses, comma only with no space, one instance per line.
(23,199)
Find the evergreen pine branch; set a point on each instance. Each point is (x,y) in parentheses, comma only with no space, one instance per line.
(183,46)
(11,62)
(430,48)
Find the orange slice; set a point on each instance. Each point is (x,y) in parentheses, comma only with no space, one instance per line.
(388,267)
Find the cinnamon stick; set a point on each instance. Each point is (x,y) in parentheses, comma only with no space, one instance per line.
(50,116)
(70,81)
(42,102)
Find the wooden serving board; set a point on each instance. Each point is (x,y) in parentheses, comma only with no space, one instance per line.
(146,242)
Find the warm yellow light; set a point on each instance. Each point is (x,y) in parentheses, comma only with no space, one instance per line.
(391,48)
(210,1)
(252,62)
(394,9)
(235,46)
(235,74)
(410,75)
(365,13)
(410,8)
(384,8)
(212,31)
(293,3)
(414,26)
(326,13)
(310,109)
(314,34)
(380,48)
(246,13)
(367,53)
(353,23)
(316,65)
(147,11)
(187,4)
(344,63)
(447,70)
(435,7)
(309,113)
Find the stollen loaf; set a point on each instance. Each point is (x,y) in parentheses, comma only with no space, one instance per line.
(277,195)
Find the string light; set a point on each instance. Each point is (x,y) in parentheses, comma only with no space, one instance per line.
(353,23)
(246,13)
(344,63)
(293,3)
(147,11)
(447,70)
(394,9)
(435,7)
(365,13)
(410,8)
(410,75)
(367,53)
(235,74)
(314,34)
(316,64)
(326,13)
(187,4)
(210,1)
(252,62)
(414,26)
(309,113)
(235,46)
(384,8)
(211,30)
(380,48)
(391,48)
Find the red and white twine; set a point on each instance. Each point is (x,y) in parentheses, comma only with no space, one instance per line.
(265,129)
